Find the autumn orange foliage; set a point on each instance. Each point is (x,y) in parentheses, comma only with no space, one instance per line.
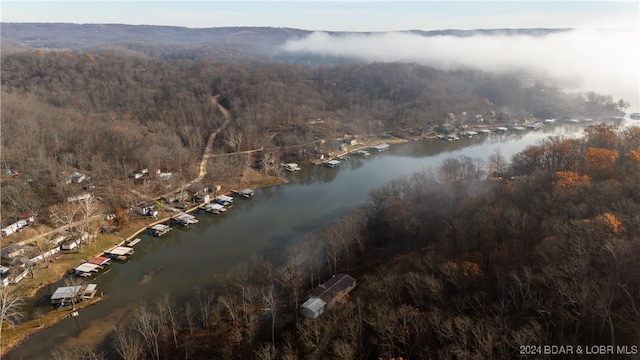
(600,159)
(571,181)
(611,222)
(634,154)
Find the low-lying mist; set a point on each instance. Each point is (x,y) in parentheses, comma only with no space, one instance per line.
(605,61)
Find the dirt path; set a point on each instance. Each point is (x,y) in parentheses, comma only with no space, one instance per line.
(208,151)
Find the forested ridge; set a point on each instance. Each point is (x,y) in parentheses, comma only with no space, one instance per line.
(451,264)
(109,114)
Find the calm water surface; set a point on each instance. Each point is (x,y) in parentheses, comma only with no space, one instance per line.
(275,218)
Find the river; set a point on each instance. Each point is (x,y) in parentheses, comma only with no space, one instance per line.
(270,221)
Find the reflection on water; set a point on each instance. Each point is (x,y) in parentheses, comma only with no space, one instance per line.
(273,219)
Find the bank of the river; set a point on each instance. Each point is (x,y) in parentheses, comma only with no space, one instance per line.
(253,179)
(55,270)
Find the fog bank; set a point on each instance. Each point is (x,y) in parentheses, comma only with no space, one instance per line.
(605,61)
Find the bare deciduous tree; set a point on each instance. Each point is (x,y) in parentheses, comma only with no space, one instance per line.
(10,311)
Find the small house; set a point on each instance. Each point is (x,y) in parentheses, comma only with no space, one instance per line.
(68,245)
(327,294)
(74,178)
(146,209)
(79,197)
(201,198)
(13,251)
(313,307)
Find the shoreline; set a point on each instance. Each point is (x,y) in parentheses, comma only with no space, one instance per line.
(32,326)
(138,228)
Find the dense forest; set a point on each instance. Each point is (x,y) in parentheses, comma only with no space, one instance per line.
(451,264)
(109,114)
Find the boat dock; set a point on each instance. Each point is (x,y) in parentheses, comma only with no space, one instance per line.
(214,208)
(185,219)
(133,242)
(224,200)
(160,229)
(245,193)
(120,252)
(86,269)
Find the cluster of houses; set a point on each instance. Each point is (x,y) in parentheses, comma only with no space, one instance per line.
(17,258)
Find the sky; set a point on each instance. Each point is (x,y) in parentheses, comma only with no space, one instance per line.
(601,53)
(351,15)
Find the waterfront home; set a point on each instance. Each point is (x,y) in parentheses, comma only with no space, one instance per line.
(380,147)
(214,208)
(292,167)
(120,252)
(160,229)
(147,209)
(66,295)
(327,294)
(224,200)
(332,163)
(201,198)
(185,220)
